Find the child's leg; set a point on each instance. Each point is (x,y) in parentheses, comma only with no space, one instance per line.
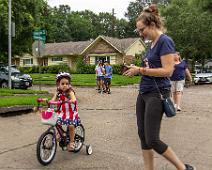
(71,133)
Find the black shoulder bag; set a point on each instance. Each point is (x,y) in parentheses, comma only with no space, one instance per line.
(168,105)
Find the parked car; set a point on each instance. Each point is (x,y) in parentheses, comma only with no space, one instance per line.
(201,78)
(18,80)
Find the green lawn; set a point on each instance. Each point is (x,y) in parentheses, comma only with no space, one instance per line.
(84,79)
(28,97)
(12,92)
(19,100)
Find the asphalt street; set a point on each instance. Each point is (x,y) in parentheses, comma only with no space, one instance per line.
(110,125)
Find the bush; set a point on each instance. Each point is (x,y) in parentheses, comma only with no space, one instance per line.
(117,69)
(25,70)
(58,68)
(83,68)
(46,69)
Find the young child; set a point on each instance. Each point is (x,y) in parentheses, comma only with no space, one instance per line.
(66,116)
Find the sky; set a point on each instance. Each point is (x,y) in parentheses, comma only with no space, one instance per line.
(120,6)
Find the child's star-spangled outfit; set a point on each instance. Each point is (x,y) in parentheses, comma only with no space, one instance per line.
(68,113)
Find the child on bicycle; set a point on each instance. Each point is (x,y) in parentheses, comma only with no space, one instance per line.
(66,114)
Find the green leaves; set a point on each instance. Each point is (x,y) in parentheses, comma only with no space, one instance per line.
(190,27)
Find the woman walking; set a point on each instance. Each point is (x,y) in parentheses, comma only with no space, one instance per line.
(158,65)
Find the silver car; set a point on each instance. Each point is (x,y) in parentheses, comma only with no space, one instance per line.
(201,78)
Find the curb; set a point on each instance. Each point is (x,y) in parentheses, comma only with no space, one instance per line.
(15,108)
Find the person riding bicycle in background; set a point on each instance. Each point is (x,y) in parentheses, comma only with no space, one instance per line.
(66,114)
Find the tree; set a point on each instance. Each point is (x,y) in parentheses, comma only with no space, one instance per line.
(133,11)
(191,29)
(24,16)
(79,27)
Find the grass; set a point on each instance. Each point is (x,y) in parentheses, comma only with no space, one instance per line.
(12,97)
(19,100)
(84,79)
(12,92)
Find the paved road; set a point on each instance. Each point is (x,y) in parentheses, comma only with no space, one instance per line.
(111,129)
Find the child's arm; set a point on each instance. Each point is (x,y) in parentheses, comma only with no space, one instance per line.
(54,98)
(73,97)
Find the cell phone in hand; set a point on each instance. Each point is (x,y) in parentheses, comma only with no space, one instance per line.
(124,68)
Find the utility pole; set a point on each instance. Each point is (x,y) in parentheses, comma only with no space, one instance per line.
(9,43)
(113,22)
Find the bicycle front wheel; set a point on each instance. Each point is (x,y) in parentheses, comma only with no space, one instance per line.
(46,148)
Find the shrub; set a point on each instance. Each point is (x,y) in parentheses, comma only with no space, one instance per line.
(58,68)
(117,69)
(46,69)
(83,68)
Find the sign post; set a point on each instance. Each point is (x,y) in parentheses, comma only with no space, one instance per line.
(9,44)
(40,37)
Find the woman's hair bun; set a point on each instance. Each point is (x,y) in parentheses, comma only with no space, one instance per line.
(152,9)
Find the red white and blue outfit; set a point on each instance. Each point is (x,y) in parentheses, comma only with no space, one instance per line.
(68,112)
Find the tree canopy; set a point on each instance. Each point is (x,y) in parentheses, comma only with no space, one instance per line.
(189,23)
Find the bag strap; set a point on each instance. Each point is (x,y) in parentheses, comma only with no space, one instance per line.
(158,88)
(156,85)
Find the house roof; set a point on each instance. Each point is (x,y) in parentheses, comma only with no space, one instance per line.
(72,48)
(121,45)
(65,48)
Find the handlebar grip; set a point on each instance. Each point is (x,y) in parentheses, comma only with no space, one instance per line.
(59,102)
(54,102)
(39,100)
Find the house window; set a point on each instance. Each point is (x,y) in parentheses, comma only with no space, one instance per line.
(28,61)
(102,58)
(55,59)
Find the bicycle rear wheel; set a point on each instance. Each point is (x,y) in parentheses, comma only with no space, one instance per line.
(46,148)
(79,137)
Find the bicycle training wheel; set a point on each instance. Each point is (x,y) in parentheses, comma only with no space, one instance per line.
(79,137)
(46,148)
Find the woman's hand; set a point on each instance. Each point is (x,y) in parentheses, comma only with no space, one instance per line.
(132,70)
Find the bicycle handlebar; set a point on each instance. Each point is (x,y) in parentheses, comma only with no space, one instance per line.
(40,100)
(59,102)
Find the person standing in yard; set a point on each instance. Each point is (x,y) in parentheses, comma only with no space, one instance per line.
(100,71)
(157,68)
(108,77)
(178,77)
(97,82)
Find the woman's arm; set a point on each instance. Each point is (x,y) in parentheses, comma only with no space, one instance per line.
(188,74)
(167,62)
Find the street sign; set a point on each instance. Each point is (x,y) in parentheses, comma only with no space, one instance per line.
(39,35)
(39,32)
(41,38)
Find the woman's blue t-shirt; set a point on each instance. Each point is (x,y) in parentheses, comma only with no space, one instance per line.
(179,71)
(152,59)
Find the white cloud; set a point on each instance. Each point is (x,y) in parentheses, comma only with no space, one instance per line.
(120,6)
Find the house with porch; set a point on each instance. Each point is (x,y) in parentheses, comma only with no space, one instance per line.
(114,50)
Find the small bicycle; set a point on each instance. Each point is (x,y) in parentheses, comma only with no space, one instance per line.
(47,143)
